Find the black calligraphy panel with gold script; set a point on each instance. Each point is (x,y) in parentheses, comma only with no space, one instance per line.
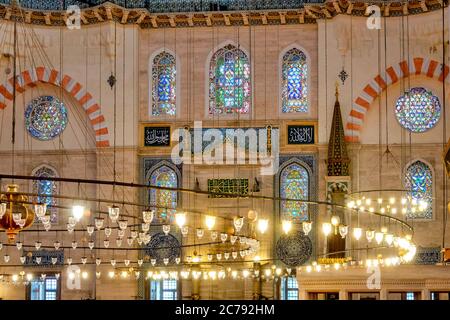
(156,136)
(300,134)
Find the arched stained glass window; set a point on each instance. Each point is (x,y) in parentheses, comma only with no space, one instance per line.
(45,189)
(294,82)
(419,181)
(164,74)
(164,177)
(229,81)
(418,110)
(294,184)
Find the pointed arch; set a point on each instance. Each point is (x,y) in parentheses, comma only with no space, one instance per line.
(419,181)
(29,78)
(415,66)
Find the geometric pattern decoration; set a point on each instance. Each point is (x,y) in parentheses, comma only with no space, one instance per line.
(419,183)
(30,78)
(418,110)
(45,118)
(294,249)
(164,85)
(294,184)
(162,247)
(229,81)
(428,256)
(415,66)
(294,82)
(45,189)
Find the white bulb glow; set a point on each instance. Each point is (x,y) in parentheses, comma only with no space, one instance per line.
(263,224)
(180,219)
(357,233)
(210,222)
(326,228)
(286,226)
(78,212)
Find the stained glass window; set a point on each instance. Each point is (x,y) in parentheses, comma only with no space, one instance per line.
(294,82)
(45,189)
(164,74)
(418,110)
(229,81)
(294,184)
(419,181)
(45,118)
(44,289)
(164,177)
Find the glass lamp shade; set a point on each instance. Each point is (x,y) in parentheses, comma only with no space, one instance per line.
(226,255)
(106,243)
(56,244)
(69,261)
(119,242)
(108,231)
(83,260)
(126,262)
(37,245)
(90,230)
(263,224)
(370,234)
(389,238)
(184,231)
(286,226)
(326,228)
(153,261)
(180,219)
(166,229)
(357,233)
(130,241)
(6,258)
(177,260)
(238,223)
(233,239)
(335,220)
(40,209)
(17,216)
(223,237)
(200,233)
(98,261)
(147,238)
(47,226)
(114,213)
(99,223)
(214,235)
(19,245)
(379,237)
(145,227)
(147,216)
(113,262)
(134,234)
(343,230)
(91,245)
(166,261)
(45,219)
(74,245)
(219,256)
(123,224)
(38,260)
(140,262)
(307,227)
(210,222)
(234,254)
(23,259)
(210,257)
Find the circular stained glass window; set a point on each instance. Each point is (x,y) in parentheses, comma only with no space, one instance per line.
(418,110)
(45,118)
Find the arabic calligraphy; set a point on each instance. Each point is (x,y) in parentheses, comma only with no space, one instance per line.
(157,136)
(301,134)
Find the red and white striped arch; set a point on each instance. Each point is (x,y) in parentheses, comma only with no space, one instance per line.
(30,78)
(415,66)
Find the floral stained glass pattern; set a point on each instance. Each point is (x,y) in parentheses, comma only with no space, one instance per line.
(164,74)
(294,184)
(418,110)
(164,177)
(229,82)
(419,181)
(294,82)
(45,189)
(45,118)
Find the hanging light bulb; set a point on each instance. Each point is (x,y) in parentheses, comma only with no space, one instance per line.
(180,219)
(263,224)
(286,225)
(335,220)
(98,261)
(108,231)
(307,227)
(210,221)
(200,233)
(214,235)
(78,212)
(326,228)
(147,216)
(223,237)
(238,223)
(90,230)
(145,227)
(233,239)
(19,245)
(37,245)
(74,245)
(379,237)
(185,231)
(113,213)
(343,230)
(357,233)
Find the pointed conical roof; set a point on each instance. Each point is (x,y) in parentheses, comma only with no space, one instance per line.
(338,160)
